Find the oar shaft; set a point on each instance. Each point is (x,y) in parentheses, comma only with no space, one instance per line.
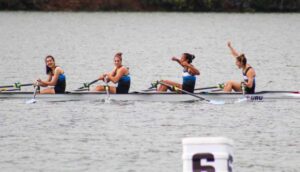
(186,92)
(82,89)
(6,86)
(35,91)
(89,84)
(206,88)
(96,80)
(5,89)
(106,89)
(16,85)
(25,85)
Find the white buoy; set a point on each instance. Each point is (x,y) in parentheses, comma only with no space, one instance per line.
(207,154)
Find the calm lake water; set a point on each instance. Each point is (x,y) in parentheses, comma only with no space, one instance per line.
(146,136)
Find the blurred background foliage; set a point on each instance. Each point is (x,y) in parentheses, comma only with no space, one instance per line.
(154,5)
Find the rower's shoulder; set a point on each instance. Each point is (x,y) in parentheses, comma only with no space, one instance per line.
(250,70)
(124,69)
(249,67)
(59,70)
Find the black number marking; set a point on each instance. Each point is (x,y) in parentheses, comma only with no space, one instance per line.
(197,167)
(229,163)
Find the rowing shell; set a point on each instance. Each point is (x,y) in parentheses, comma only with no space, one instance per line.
(153,96)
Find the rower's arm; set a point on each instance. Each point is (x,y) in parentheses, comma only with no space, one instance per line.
(114,72)
(194,71)
(177,60)
(117,76)
(49,77)
(101,77)
(54,79)
(232,50)
(43,83)
(191,68)
(250,76)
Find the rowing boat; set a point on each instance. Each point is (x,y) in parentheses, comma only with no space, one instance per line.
(153,96)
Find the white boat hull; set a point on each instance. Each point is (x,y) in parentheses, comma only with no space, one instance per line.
(151,96)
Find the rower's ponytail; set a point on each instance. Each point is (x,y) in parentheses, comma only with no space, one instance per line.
(189,57)
(242,59)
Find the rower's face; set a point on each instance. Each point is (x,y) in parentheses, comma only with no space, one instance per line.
(117,61)
(183,58)
(50,62)
(238,64)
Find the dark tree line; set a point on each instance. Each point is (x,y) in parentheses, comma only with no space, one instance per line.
(153,5)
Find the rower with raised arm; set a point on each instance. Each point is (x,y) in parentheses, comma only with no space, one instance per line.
(56,78)
(188,75)
(248,74)
(119,75)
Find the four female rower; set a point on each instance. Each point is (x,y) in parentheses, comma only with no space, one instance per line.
(248,73)
(119,75)
(56,78)
(188,75)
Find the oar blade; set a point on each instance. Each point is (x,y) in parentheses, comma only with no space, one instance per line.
(107,100)
(216,102)
(31,101)
(241,100)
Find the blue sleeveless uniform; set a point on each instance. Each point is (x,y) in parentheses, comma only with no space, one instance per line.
(123,85)
(60,86)
(188,81)
(247,89)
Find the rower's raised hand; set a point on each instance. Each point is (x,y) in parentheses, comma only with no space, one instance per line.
(175,59)
(232,50)
(229,44)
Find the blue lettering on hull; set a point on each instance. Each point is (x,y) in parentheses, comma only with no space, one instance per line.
(255,98)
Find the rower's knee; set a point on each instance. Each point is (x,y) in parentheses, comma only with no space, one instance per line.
(99,88)
(228,86)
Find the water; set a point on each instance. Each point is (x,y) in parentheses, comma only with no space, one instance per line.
(146,136)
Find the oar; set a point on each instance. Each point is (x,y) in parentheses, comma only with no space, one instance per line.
(244,98)
(5,89)
(192,94)
(206,88)
(33,100)
(220,86)
(107,100)
(87,85)
(16,85)
(148,90)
